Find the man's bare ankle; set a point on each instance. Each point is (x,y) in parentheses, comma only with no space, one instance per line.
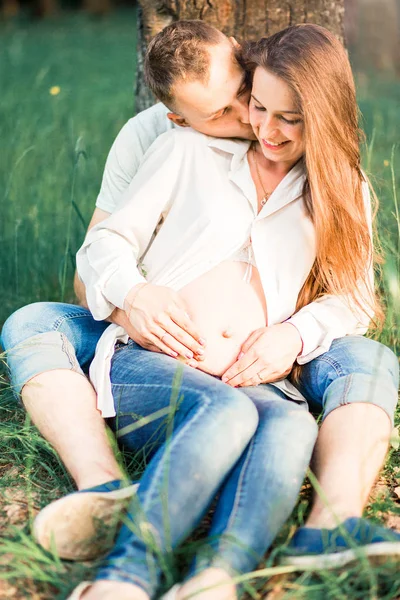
(110,590)
(329,519)
(216,583)
(88,481)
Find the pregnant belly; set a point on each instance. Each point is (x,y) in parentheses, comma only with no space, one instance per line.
(226,310)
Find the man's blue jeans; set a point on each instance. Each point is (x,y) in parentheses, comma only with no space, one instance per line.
(252,444)
(50,335)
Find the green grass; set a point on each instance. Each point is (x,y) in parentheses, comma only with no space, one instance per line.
(53,149)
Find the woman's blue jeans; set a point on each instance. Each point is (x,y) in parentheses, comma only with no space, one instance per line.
(252,444)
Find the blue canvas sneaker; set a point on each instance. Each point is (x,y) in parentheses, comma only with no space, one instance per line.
(333,548)
(82,525)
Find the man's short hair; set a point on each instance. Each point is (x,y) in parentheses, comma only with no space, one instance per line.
(179,52)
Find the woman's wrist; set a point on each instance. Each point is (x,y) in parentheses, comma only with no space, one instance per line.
(301,343)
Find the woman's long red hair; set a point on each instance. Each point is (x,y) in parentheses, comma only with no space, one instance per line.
(315,66)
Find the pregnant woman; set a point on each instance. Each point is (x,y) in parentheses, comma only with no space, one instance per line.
(223,238)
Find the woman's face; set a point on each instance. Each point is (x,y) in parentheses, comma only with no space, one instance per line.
(275,118)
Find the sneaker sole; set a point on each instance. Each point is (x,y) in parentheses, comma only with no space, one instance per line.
(82,526)
(377,553)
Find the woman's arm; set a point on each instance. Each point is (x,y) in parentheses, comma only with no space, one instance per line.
(272,351)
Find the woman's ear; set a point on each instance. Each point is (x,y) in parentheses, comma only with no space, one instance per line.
(234,43)
(177,119)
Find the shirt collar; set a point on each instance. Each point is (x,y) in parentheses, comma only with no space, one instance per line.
(288,190)
(238,148)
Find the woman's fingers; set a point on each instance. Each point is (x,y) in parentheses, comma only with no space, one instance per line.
(253,337)
(249,374)
(233,375)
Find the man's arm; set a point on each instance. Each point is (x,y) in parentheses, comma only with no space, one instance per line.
(108,260)
(118,316)
(122,164)
(79,287)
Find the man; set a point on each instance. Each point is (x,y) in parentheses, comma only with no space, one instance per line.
(195,72)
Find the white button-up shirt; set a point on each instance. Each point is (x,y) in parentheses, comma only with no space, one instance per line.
(201,191)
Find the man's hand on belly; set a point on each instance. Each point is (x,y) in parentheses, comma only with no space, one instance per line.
(158,321)
(267,355)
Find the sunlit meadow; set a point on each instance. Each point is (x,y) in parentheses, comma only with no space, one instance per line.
(66,90)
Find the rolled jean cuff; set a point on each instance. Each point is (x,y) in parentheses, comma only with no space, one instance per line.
(40,353)
(364,388)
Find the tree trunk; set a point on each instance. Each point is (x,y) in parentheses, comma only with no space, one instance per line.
(244,19)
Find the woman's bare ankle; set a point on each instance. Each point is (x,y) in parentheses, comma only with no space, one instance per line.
(110,590)
(216,584)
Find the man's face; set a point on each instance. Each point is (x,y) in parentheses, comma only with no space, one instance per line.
(220,107)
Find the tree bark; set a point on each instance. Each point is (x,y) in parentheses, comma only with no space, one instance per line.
(243,19)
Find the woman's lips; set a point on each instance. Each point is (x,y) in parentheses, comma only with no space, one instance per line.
(274,147)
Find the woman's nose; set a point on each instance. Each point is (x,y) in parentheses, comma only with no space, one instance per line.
(269,129)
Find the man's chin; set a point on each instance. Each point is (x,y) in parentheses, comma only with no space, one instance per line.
(243,134)
(250,136)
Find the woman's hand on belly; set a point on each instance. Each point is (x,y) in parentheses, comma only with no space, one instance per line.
(159,321)
(267,355)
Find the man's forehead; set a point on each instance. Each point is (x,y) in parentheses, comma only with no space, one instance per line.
(211,97)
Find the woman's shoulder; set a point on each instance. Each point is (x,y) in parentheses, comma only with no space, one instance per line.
(186,137)
(181,142)
(175,148)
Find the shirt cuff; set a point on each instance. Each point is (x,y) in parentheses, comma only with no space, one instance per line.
(309,330)
(119,284)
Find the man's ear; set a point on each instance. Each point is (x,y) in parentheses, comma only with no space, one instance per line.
(234,43)
(177,119)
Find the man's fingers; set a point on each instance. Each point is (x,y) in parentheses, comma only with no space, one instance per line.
(155,344)
(168,339)
(185,340)
(181,318)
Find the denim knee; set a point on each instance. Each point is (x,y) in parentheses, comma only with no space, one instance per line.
(33,343)
(290,426)
(28,321)
(235,416)
(238,415)
(355,369)
(19,326)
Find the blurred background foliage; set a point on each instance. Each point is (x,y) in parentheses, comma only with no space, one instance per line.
(67,80)
(67,76)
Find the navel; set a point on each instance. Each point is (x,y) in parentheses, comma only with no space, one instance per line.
(227,333)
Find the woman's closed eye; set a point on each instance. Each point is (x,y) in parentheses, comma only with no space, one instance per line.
(290,121)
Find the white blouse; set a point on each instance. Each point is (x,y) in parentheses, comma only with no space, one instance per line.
(192,205)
